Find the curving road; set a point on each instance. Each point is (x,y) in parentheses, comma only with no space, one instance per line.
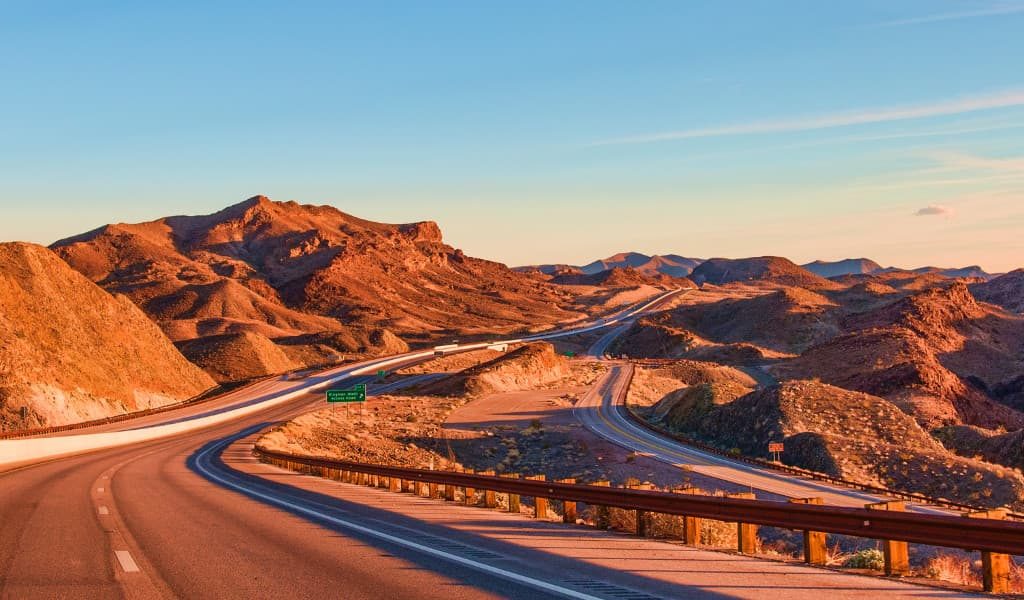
(134,510)
(603,411)
(188,513)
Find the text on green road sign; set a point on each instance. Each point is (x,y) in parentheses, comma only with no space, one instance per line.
(356,394)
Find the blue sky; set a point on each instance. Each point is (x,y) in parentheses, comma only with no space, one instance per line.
(547,131)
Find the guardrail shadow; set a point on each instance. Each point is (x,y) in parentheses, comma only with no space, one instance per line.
(346,517)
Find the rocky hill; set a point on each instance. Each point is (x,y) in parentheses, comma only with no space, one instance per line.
(762,269)
(1006,291)
(848,266)
(237,356)
(70,351)
(787,320)
(1006,448)
(938,354)
(855,436)
(662,335)
(284,270)
(526,367)
(617,277)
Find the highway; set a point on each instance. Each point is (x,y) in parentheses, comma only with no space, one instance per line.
(187,512)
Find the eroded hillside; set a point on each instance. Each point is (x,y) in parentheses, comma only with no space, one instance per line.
(70,351)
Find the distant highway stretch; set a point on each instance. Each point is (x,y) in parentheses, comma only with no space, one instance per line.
(603,411)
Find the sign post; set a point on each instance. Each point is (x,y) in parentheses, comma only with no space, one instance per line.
(776,448)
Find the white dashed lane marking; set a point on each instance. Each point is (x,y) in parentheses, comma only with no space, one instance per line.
(100,490)
(104,510)
(127,562)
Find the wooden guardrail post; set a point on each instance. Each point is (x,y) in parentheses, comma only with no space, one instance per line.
(418,488)
(395,485)
(468,493)
(897,559)
(815,548)
(449,492)
(691,525)
(514,504)
(490,498)
(746,533)
(995,567)
(540,504)
(568,506)
(641,516)
(602,518)
(432,491)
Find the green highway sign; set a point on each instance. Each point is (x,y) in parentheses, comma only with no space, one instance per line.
(570,353)
(356,394)
(382,373)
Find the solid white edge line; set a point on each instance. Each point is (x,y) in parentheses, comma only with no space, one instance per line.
(127,562)
(479,566)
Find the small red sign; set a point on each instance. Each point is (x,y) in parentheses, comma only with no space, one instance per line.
(775,447)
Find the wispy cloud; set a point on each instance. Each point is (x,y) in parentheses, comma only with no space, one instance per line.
(988,10)
(958,161)
(966,104)
(934,210)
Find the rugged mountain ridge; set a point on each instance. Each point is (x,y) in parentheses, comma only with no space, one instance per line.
(281,269)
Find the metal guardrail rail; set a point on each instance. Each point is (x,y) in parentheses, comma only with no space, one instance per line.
(797,471)
(936,530)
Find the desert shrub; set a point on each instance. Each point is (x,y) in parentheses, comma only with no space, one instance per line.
(718,534)
(871,558)
(957,569)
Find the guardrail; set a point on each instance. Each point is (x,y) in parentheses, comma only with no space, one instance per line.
(797,471)
(207,395)
(996,539)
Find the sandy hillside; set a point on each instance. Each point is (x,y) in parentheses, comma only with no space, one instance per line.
(70,351)
(237,356)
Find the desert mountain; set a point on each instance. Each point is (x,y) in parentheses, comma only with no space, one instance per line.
(549,269)
(764,269)
(282,270)
(1006,291)
(938,354)
(617,277)
(70,351)
(849,266)
(672,265)
(971,272)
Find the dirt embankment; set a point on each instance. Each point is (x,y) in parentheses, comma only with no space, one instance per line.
(71,352)
(408,429)
(530,366)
